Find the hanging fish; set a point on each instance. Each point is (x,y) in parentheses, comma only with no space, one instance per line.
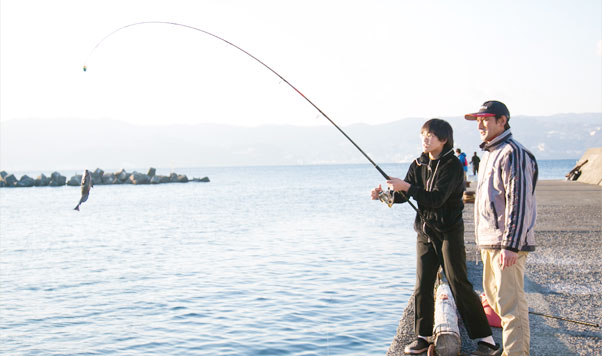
(86,185)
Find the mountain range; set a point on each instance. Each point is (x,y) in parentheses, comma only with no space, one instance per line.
(53,144)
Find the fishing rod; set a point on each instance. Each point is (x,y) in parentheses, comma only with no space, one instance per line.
(388,201)
(565,319)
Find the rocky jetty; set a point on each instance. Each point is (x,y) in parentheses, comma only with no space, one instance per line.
(563,276)
(99,177)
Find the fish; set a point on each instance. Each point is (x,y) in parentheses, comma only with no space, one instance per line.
(86,186)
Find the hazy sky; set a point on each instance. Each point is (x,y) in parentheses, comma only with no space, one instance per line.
(359,61)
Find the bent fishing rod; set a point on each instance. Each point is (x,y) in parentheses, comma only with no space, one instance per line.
(271,70)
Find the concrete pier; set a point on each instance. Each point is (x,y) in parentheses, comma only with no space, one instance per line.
(563,276)
(590,167)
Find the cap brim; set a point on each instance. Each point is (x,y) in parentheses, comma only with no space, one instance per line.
(475,115)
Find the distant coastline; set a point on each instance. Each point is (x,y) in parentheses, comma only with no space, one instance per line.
(54,144)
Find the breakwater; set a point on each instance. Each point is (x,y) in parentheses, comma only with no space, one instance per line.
(99,177)
(562,275)
(589,168)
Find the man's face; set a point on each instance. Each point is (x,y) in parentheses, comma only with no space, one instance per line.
(490,128)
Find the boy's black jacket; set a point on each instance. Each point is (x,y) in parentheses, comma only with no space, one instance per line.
(437,187)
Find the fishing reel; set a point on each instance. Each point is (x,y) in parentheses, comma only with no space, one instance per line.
(387,197)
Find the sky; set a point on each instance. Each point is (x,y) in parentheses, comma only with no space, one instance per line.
(359,61)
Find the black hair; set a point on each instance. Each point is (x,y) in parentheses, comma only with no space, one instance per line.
(507,125)
(443,130)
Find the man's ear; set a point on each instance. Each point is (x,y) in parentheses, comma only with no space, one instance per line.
(503,119)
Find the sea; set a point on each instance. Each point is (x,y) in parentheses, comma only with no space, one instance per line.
(278,260)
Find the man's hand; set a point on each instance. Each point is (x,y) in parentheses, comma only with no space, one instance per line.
(508,258)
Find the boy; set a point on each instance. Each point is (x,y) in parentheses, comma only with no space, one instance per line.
(436,181)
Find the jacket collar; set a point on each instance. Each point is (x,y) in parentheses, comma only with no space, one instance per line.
(425,159)
(503,137)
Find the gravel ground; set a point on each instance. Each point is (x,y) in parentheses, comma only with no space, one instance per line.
(563,276)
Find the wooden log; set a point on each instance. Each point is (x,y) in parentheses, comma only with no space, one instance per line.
(446,331)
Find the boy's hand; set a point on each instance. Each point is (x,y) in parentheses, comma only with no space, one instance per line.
(397,184)
(374,194)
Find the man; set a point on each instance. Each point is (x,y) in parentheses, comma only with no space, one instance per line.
(475,160)
(504,213)
(435,180)
(462,157)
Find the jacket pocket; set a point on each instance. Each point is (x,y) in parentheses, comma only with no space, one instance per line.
(497,226)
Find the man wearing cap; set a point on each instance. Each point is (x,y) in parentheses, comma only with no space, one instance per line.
(504,213)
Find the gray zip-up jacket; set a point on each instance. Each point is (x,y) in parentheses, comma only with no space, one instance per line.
(505,207)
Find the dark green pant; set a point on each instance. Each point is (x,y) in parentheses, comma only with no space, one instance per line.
(446,250)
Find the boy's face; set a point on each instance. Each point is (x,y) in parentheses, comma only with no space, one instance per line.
(431,143)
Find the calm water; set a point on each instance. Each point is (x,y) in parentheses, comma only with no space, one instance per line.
(261,261)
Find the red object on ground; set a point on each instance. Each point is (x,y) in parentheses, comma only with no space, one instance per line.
(493,319)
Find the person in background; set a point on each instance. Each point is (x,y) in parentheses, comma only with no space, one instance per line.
(474,161)
(462,157)
(504,215)
(435,181)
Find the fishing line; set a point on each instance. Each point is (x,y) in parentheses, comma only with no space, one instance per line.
(271,70)
(565,319)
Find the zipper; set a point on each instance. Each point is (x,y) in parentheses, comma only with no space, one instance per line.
(483,168)
(429,186)
(481,180)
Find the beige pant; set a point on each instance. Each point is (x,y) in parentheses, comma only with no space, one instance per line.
(506,294)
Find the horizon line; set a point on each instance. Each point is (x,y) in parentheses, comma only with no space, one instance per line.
(4,121)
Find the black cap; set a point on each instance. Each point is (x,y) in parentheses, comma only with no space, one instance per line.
(490,108)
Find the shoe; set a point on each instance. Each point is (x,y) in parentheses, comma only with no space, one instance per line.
(484,349)
(417,347)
